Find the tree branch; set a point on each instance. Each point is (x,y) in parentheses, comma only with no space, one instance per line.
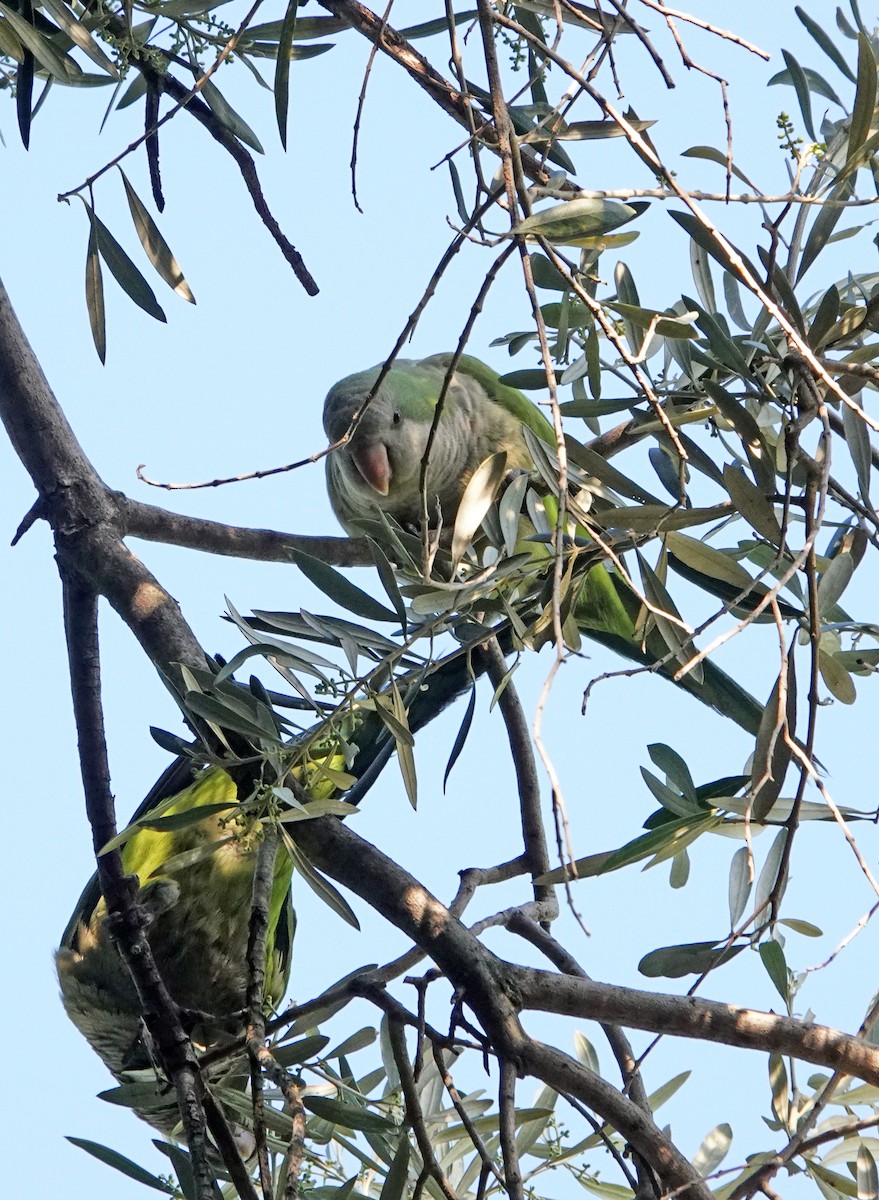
(155,524)
(709,1020)
(489,985)
(127,919)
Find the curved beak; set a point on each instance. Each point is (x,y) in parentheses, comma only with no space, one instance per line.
(373,464)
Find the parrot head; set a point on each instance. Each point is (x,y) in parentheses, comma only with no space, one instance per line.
(381,462)
(380,465)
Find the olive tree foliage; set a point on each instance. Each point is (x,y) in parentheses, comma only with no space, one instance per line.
(751,398)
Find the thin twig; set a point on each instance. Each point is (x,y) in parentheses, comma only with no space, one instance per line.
(414,1115)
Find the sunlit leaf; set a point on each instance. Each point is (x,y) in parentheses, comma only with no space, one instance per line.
(740,882)
(157,249)
(94,294)
(566,224)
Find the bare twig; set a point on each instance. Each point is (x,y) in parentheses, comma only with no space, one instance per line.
(414,1115)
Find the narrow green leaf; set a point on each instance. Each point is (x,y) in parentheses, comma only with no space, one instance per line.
(124,271)
(752,503)
(707,561)
(836,678)
(170,741)
(759,457)
(857,439)
(666,841)
(395,1180)
(806,928)
(183,820)
(767,880)
(291,1054)
(680,870)
(772,957)
(59,65)
(722,346)
(79,35)
(389,582)
(182,1165)
(357,1041)
(346,594)
(157,249)
(826,316)
(673,962)
(569,223)
(461,736)
(675,767)
(867,1175)
(739,885)
(666,1090)
(772,754)
(282,69)
(677,326)
(348,1115)
(594,464)
(823,226)
(834,581)
(694,228)
(713,1150)
(585,131)
(94,292)
(733,296)
(801,86)
(113,1159)
(865,98)
(778,1084)
(226,114)
(680,806)
(818,33)
(668,620)
(586,1052)
(405,745)
(321,887)
(701,270)
(214,710)
(24,91)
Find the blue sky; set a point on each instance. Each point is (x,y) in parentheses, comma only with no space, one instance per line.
(237,383)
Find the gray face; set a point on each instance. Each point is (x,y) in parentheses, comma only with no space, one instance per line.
(383,457)
(381,466)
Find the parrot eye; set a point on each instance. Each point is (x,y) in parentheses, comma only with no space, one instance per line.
(397,418)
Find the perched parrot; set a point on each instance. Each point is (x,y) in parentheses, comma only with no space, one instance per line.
(199,909)
(380,468)
(198,928)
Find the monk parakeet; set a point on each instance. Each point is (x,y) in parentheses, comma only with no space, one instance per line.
(199,915)
(380,468)
(199,906)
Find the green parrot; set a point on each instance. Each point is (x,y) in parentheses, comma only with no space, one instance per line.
(199,910)
(380,468)
(198,928)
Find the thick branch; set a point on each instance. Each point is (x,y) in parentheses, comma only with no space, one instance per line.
(155,524)
(80,507)
(707,1020)
(489,986)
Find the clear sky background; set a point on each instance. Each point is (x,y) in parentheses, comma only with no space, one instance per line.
(237,383)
